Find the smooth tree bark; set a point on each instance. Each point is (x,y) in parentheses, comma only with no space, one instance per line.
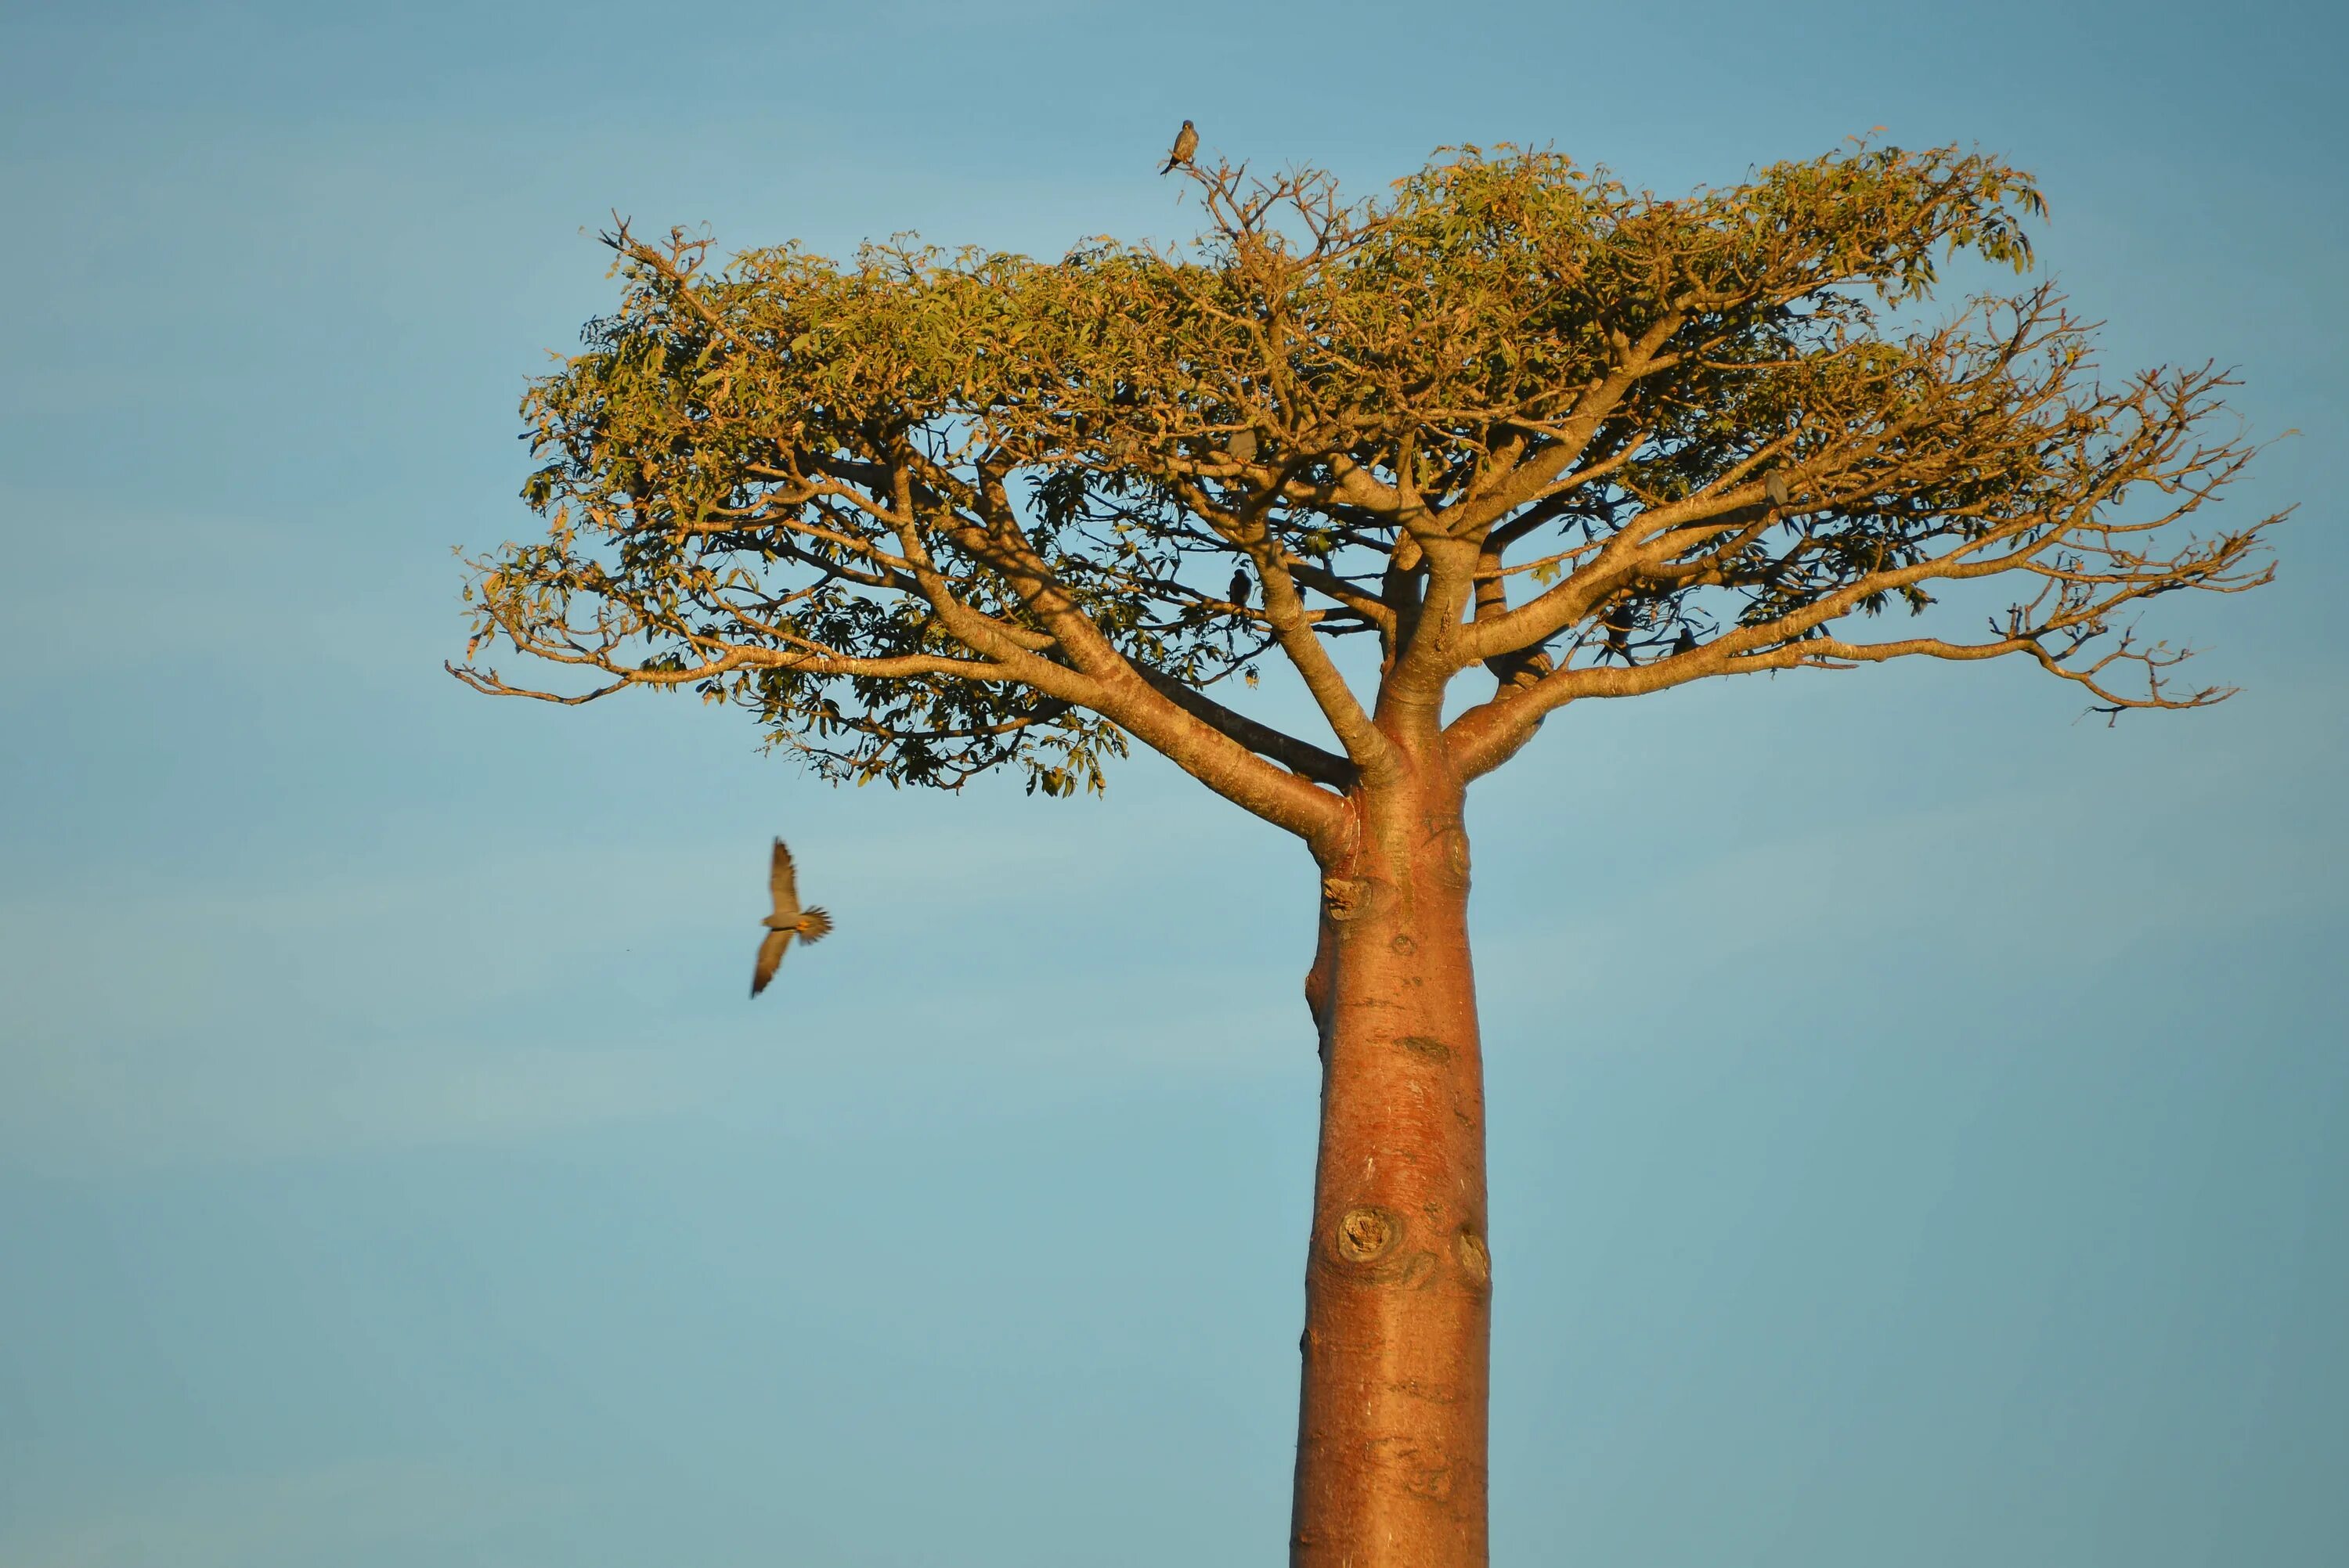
(1390,1463)
(928,516)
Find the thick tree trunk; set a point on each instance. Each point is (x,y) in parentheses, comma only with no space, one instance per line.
(1398,1279)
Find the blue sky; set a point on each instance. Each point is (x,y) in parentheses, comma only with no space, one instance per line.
(1917,1114)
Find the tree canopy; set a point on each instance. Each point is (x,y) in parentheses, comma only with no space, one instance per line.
(927,514)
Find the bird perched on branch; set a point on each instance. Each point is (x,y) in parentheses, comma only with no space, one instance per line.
(788,920)
(1187,142)
(1618,627)
(1774,485)
(1240,590)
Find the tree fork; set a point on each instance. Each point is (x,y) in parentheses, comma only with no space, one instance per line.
(1392,1423)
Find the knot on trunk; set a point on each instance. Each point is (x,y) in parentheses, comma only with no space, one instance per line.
(1475,1258)
(1366,1244)
(1450,867)
(1363,1234)
(1343,897)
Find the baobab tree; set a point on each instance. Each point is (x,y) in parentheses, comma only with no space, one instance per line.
(930,515)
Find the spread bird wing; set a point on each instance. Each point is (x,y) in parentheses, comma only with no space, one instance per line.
(784,883)
(770,958)
(815,924)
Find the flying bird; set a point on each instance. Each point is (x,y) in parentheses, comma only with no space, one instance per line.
(1773,484)
(788,920)
(1239,593)
(1187,142)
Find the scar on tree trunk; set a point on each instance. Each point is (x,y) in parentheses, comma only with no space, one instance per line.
(1391,1450)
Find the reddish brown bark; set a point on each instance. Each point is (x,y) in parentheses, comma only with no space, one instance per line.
(1390,1451)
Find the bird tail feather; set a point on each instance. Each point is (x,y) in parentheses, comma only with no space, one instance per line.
(815,924)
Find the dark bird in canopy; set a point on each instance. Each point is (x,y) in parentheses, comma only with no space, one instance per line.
(1618,627)
(788,920)
(1187,142)
(1240,590)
